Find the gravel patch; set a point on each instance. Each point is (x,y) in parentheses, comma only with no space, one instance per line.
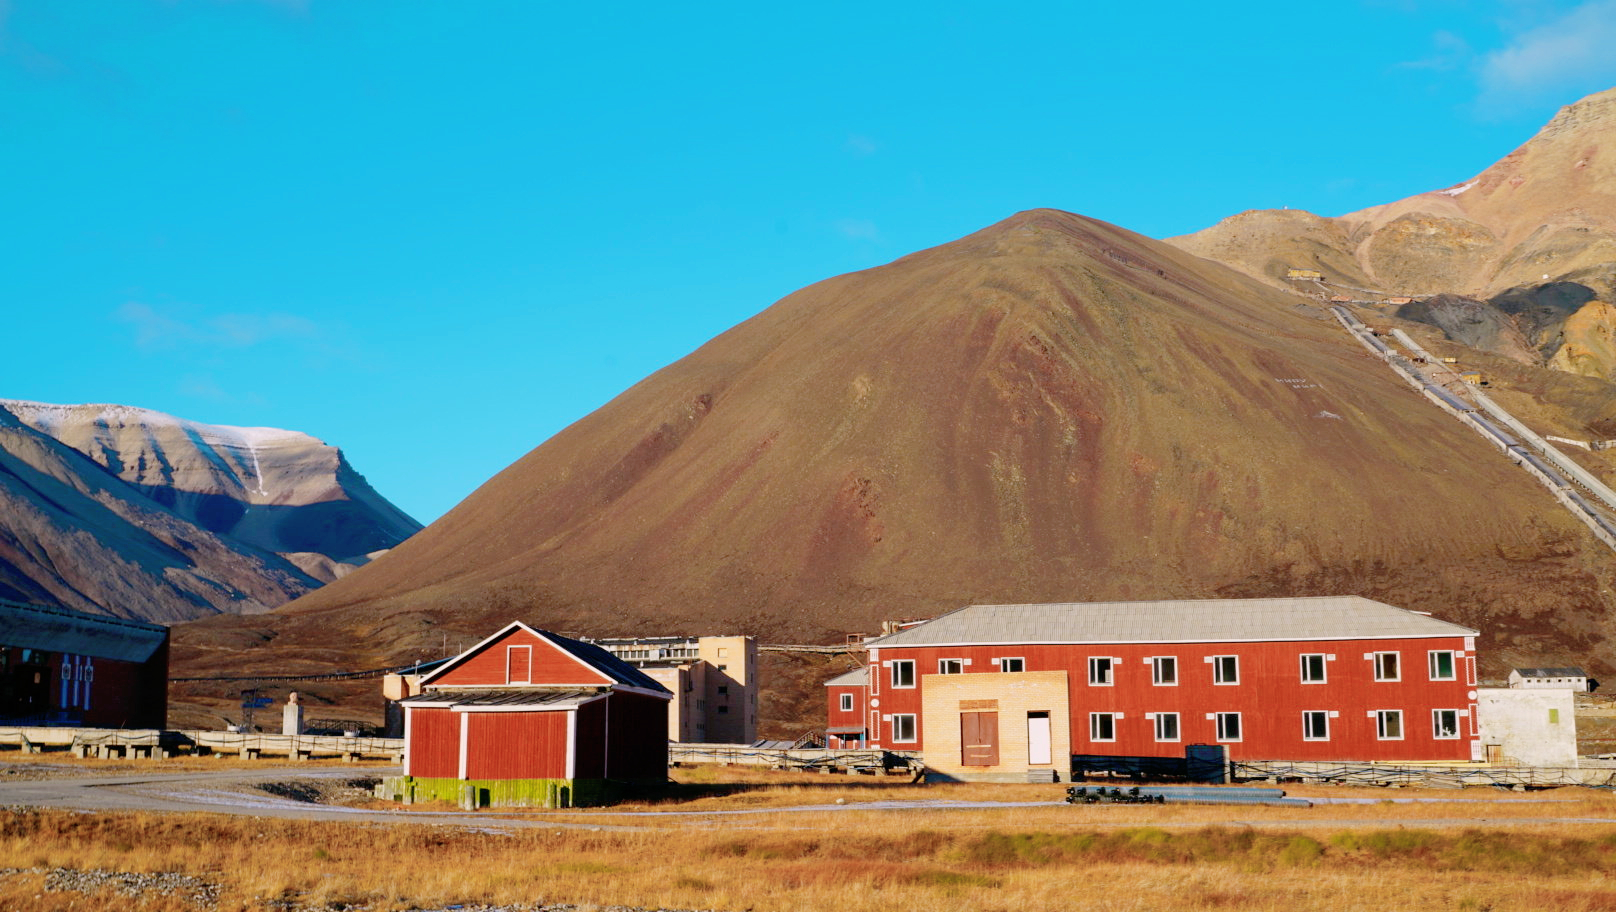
(194,890)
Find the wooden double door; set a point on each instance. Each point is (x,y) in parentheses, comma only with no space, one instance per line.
(979,739)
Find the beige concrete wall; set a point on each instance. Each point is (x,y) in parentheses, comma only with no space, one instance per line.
(1518,722)
(682,716)
(1012,696)
(730,693)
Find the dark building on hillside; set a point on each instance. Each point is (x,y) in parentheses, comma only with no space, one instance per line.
(62,667)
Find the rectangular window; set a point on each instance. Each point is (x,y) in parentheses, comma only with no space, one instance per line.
(1315,725)
(903,728)
(723,688)
(1386,667)
(1102,727)
(847,703)
(1228,726)
(518,664)
(1167,726)
(950,666)
(1164,672)
(1225,669)
(1554,717)
(1100,671)
(903,673)
(1442,665)
(1389,724)
(1444,724)
(1313,668)
(723,709)
(1013,665)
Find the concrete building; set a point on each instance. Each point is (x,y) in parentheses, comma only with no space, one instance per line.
(1549,679)
(1528,727)
(63,667)
(714,681)
(532,718)
(982,690)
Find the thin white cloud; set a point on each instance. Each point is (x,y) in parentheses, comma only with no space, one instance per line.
(1448,52)
(858,230)
(156,329)
(1575,52)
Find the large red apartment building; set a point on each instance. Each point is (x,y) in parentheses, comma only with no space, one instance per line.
(1029,686)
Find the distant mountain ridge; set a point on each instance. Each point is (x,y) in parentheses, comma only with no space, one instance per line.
(1530,242)
(137,513)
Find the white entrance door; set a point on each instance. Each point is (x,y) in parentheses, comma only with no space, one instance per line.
(1038,739)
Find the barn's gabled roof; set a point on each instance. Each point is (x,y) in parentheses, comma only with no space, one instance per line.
(1336,617)
(51,629)
(605,668)
(1551,672)
(858,677)
(507,699)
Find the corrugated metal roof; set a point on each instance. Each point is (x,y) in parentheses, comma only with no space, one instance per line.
(509,698)
(858,677)
(1336,617)
(54,629)
(608,664)
(1551,672)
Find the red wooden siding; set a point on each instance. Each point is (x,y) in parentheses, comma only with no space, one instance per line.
(488,666)
(592,746)
(834,715)
(434,743)
(637,735)
(516,745)
(1270,696)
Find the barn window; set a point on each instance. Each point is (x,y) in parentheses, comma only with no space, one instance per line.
(1386,667)
(1100,671)
(1166,726)
(847,703)
(1442,665)
(903,673)
(1313,668)
(1315,725)
(1225,669)
(1444,723)
(1013,665)
(1228,726)
(950,666)
(1389,724)
(1164,672)
(1102,727)
(519,665)
(903,727)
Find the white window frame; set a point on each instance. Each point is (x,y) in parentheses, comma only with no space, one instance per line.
(1222,727)
(1102,675)
(1436,725)
(847,703)
(1178,728)
(1217,670)
(1021,663)
(1397,665)
(1453,664)
(897,723)
(1094,725)
(1157,663)
(907,665)
(1382,716)
(1324,668)
(1320,713)
(943,666)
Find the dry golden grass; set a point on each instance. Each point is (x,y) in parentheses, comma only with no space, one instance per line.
(111,766)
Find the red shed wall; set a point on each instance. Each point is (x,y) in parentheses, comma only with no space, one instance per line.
(638,736)
(1270,696)
(109,693)
(835,717)
(551,665)
(591,762)
(516,745)
(432,743)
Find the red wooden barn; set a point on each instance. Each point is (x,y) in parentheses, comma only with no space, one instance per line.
(1015,689)
(532,718)
(63,667)
(848,697)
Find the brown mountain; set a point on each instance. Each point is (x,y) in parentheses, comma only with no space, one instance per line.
(1531,241)
(1052,408)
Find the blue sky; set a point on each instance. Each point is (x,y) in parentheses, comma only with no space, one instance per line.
(434,234)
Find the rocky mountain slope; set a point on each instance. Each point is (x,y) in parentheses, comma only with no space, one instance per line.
(140,514)
(1052,408)
(1530,242)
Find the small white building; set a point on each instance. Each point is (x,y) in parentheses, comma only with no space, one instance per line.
(1527,727)
(1549,678)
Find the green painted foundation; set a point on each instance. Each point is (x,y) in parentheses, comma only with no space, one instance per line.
(476,793)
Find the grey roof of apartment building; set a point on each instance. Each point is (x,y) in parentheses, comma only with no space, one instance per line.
(52,629)
(1336,617)
(858,677)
